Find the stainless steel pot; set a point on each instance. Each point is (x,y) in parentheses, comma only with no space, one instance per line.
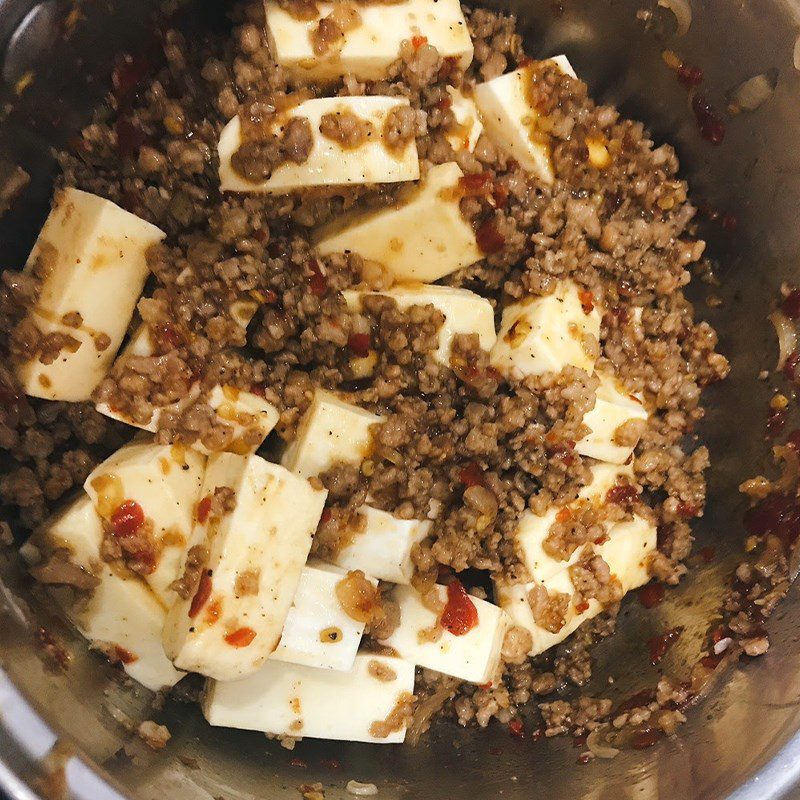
(743,742)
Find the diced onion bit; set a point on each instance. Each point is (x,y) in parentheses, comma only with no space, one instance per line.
(361,789)
(460,615)
(753,93)
(331,635)
(596,747)
(787,337)
(682,12)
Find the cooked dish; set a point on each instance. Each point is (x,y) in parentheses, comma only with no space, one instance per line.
(355,352)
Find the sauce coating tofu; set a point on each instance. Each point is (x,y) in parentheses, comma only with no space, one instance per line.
(372,44)
(254,550)
(547,333)
(464,312)
(423,237)
(330,162)
(121,616)
(331,431)
(164,482)
(472,656)
(511,120)
(91,259)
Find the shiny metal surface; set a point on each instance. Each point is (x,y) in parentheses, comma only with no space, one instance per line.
(743,741)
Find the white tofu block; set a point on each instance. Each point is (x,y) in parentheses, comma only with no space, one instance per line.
(423,237)
(468,127)
(317,631)
(241,410)
(330,431)
(383,547)
(165,481)
(534,529)
(613,407)
(464,312)
(329,163)
(546,334)
(373,45)
(92,253)
(290,700)
(122,617)
(472,657)
(512,122)
(626,552)
(266,538)
(74,373)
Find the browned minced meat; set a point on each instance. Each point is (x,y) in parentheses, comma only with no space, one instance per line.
(592,579)
(329,33)
(459,438)
(155,736)
(346,128)
(256,159)
(400,127)
(397,719)
(549,609)
(196,559)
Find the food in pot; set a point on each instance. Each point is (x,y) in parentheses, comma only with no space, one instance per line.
(402,413)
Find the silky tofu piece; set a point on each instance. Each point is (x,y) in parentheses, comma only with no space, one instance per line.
(627,552)
(331,431)
(533,529)
(165,481)
(511,120)
(546,334)
(92,256)
(468,126)
(422,237)
(371,46)
(613,407)
(317,631)
(464,312)
(471,657)
(250,417)
(122,617)
(382,548)
(329,163)
(256,555)
(78,367)
(290,700)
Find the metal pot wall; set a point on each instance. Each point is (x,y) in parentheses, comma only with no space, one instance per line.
(743,741)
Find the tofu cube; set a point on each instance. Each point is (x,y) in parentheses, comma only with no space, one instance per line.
(382,548)
(533,528)
(317,631)
(256,552)
(511,120)
(251,417)
(91,256)
(546,334)
(371,46)
(613,407)
(331,431)
(290,700)
(422,237)
(472,657)
(165,481)
(330,163)
(464,312)
(627,552)
(122,617)
(468,128)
